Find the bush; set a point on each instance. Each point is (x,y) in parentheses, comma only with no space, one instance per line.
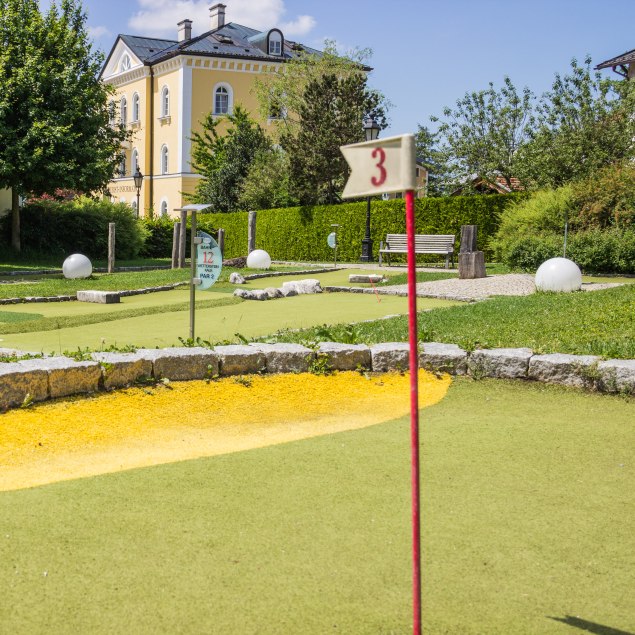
(78,226)
(299,233)
(594,251)
(159,236)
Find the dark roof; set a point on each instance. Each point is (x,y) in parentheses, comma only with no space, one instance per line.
(620,60)
(231,40)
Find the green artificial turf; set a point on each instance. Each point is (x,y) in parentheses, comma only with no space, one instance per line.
(527,515)
(157,323)
(11,317)
(596,323)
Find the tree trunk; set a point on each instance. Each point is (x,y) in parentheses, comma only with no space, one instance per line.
(468,238)
(111,247)
(15,221)
(472,265)
(251,232)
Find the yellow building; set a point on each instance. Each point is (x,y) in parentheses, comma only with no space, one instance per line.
(165,88)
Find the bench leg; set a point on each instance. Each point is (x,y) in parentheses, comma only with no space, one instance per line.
(380,258)
(447,261)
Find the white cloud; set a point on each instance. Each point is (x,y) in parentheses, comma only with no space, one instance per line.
(95,32)
(298,27)
(160,17)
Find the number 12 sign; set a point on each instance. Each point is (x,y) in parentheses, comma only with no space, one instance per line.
(383,165)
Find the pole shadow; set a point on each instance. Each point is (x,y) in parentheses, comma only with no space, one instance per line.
(590,627)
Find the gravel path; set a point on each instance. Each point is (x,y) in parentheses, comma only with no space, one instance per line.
(477,289)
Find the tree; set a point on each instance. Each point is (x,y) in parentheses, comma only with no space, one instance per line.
(482,135)
(54,113)
(583,124)
(266,185)
(224,161)
(429,155)
(330,115)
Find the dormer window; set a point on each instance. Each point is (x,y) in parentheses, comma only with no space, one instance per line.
(125,63)
(275,42)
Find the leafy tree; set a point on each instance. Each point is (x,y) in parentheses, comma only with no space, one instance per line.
(583,124)
(224,161)
(482,135)
(266,185)
(330,115)
(54,114)
(429,155)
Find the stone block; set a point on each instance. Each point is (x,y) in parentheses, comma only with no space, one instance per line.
(390,356)
(122,369)
(273,293)
(559,368)
(309,285)
(99,297)
(181,363)
(443,358)
(367,278)
(236,278)
(18,383)
(345,356)
(285,358)
(66,376)
(617,375)
(237,359)
(502,363)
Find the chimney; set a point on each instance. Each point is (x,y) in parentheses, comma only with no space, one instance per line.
(185,30)
(217,16)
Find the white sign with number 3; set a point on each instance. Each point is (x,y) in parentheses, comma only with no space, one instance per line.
(384,165)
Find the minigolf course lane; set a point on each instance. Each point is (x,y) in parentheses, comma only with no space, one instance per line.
(141,427)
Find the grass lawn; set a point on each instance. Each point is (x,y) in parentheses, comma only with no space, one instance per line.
(598,323)
(527,515)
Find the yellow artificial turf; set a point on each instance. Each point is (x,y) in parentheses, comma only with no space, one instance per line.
(139,427)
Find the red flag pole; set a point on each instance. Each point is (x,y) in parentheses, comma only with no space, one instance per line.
(414,412)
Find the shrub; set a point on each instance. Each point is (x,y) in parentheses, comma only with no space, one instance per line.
(62,228)
(160,233)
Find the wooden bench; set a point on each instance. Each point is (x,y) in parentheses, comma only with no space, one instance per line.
(442,244)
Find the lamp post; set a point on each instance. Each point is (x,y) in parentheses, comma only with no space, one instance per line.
(138,180)
(371,130)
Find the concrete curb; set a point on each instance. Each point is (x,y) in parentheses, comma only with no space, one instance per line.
(40,378)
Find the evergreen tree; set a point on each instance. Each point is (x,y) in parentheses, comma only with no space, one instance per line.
(224,161)
(54,114)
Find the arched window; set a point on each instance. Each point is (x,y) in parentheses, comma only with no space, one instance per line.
(275,42)
(124,65)
(134,164)
(223,99)
(134,206)
(164,208)
(165,102)
(136,110)
(112,109)
(122,166)
(164,160)
(124,111)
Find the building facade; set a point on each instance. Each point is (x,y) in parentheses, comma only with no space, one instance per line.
(165,88)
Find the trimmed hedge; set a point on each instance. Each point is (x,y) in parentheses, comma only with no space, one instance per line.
(79,226)
(299,233)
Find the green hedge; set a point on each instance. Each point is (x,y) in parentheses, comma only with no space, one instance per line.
(79,226)
(299,233)
(594,251)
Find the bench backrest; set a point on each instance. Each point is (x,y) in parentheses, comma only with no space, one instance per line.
(422,241)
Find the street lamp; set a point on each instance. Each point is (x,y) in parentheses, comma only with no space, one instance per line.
(138,180)
(371,130)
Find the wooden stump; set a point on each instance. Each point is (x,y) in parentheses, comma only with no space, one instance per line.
(221,241)
(472,265)
(468,238)
(111,247)
(176,239)
(182,239)
(251,232)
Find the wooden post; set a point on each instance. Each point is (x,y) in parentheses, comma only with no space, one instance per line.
(251,232)
(183,239)
(176,239)
(111,247)
(471,261)
(221,241)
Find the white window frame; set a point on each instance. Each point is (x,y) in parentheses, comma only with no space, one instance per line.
(122,166)
(134,163)
(136,108)
(163,209)
(165,159)
(230,99)
(276,43)
(165,102)
(123,110)
(125,63)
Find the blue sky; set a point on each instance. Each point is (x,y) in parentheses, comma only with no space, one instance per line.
(426,53)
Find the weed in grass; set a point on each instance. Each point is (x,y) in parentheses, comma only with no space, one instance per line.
(320,364)
(190,343)
(80,355)
(244,381)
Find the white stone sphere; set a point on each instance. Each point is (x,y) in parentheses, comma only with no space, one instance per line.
(77,266)
(558,274)
(259,259)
